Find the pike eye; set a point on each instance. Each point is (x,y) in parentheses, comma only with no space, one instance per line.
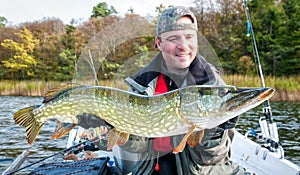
(222,92)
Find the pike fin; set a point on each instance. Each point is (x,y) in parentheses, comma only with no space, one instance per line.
(123,138)
(25,117)
(116,137)
(195,138)
(184,140)
(53,93)
(62,129)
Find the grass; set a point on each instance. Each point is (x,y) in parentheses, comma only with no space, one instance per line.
(33,87)
(287,88)
(279,83)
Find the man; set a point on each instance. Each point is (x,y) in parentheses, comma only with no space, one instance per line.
(178,64)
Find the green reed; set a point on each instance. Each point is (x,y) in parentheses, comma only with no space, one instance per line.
(287,88)
(33,87)
(283,83)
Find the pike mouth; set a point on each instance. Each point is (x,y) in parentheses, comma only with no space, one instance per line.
(266,94)
(249,98)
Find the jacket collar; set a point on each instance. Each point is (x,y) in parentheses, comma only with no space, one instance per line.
(200,71)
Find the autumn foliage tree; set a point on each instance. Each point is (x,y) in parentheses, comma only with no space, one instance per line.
(22,53)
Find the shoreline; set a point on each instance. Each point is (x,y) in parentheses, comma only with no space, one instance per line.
(39,88)
(279,96)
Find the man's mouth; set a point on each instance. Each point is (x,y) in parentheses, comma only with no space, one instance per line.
(182,55)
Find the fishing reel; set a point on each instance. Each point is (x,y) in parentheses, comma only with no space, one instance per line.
(267,142)
(84,149)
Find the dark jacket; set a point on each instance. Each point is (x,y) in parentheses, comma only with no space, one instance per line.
(139,157)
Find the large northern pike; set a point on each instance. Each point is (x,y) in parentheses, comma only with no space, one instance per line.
(180,111)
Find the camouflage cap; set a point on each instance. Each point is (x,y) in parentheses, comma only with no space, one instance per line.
(169,17)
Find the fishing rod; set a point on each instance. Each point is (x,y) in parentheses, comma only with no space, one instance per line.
(91,63)
(85,143)
(268,126)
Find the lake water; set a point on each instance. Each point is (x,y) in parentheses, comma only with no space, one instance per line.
(13,137)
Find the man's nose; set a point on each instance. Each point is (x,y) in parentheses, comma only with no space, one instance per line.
(183,44)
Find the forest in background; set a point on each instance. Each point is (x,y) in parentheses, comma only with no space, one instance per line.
(48,49)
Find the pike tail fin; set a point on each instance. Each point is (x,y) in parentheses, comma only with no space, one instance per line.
(25,117)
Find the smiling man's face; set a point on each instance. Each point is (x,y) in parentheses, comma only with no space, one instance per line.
(178,47)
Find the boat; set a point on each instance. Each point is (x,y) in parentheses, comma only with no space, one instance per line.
(255,158)
(258,159)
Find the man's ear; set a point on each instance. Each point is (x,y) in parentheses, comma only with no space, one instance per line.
(157,43)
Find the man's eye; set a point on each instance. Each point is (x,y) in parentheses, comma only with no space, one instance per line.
(172,39)
(190,37)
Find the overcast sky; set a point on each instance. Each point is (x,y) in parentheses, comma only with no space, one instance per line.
(18,11)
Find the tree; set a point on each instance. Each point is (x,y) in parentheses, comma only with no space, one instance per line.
(130,10)
(160,9)
(22,59)
(3,21)
(292,11)
(102,10)
(221,22)
(66,65)
(277,33)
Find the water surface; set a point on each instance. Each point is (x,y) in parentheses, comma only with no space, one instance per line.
(13,137)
